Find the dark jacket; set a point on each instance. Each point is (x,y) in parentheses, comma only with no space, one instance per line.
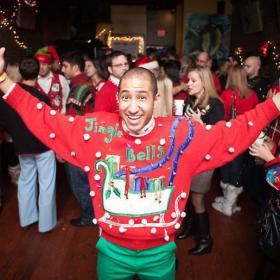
(24,141)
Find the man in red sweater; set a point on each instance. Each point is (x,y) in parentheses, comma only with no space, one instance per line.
(137,232)
(106,99)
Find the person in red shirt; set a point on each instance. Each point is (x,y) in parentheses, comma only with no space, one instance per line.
(238,98)
(106,99)
(137,234)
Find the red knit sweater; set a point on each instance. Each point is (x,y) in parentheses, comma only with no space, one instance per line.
(242,104)
(166,158)
(106,98)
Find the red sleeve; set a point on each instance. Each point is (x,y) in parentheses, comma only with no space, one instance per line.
(226,140)
(272,162)
(63,134)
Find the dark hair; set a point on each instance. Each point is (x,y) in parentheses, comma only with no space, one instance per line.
(143,73)
(29,68)
(112,55)
(172,68)
(74,58)
(98,66)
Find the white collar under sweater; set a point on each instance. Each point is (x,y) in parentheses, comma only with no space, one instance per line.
(114,80)
(144,131)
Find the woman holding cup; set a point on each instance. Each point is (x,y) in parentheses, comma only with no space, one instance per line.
(203,105)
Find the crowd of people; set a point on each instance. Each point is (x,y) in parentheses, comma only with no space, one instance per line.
(123,117)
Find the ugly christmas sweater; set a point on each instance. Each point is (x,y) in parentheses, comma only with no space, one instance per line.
(140,185)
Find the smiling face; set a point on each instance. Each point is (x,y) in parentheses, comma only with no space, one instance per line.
(136,102)
(195,84)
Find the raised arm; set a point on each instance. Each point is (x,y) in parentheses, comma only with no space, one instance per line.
(52,128)
(216,145)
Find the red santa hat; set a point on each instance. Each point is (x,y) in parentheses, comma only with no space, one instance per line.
(147,63)
(44,58)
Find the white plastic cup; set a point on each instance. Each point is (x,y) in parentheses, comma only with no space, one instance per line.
(179,106)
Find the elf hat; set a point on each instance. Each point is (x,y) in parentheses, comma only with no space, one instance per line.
(50,51)
(53,52)
(147,63)
(44,58)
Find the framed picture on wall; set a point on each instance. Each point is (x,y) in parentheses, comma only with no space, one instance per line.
(207,32)
(132,45)
(251,18)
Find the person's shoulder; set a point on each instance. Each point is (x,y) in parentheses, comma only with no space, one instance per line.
(109,83)
(108,87)
(225,92)
(215,101)
(61,77)
(253,94)
(35,92)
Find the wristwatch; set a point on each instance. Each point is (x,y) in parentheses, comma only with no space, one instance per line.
(3,77)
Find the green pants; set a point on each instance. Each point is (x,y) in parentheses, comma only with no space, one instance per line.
(119,263)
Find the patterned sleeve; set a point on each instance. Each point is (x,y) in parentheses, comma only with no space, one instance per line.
(273,173)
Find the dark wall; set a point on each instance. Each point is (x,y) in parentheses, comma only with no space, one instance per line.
(271,25)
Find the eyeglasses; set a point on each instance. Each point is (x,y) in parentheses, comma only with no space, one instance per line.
(120,64)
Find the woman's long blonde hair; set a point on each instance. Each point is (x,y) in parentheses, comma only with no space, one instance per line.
(207,80)
(237,80)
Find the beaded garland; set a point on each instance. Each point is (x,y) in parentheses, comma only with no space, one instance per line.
(165,159)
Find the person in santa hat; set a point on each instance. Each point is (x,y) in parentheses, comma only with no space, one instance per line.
(54,85)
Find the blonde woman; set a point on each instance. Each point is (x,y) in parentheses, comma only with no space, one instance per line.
(237,98)
(203,105)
